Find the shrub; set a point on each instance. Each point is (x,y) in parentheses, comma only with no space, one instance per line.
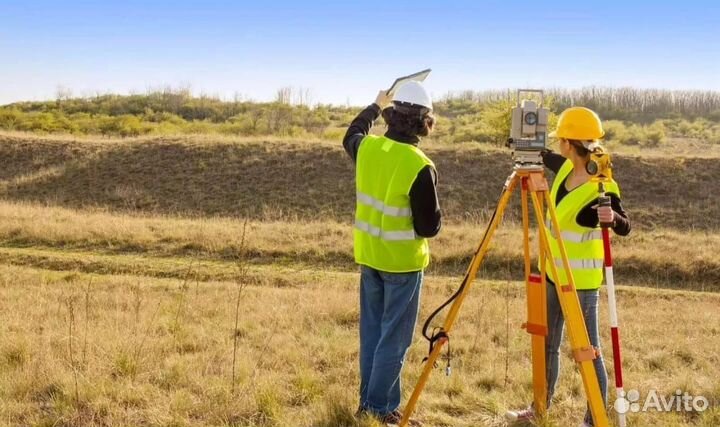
(654,134)
(125,125)
(9,118)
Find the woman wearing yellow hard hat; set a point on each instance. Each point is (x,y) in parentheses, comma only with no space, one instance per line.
(575,200)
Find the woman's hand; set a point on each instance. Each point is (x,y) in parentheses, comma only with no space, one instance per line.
(606,215)
(383,100)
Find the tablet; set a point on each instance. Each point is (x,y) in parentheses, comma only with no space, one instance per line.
(418,77)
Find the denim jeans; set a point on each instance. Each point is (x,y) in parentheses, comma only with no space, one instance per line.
(556,322)
(389,304)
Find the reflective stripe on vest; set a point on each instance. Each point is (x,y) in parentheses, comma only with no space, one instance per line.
(571,236)
(581,264)
(385,235)
(379,205)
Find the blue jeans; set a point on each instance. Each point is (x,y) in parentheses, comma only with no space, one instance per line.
(389,304)
(556,323)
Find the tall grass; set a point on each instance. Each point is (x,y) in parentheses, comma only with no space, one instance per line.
(241,283)
(297,362)
(164,246)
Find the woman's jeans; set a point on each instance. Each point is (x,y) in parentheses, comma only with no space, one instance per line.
(556,323)
(389,304)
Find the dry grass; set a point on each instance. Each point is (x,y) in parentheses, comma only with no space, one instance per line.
(672,147)
(98,241)
(128,311)
(280,179)
(297,361)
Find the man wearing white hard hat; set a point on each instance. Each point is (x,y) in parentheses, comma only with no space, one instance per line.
(397,210)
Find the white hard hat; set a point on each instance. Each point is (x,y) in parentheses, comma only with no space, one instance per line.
(413,92)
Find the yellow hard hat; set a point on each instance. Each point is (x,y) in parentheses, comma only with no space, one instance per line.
(579,123)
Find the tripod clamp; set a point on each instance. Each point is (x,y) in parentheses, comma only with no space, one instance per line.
(440,337)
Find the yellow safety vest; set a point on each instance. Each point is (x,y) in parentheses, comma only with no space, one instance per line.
(384,234)
(584,245)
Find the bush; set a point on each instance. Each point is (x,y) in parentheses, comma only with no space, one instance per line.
(334,133)
(634,134)
(615,130)
(9,118)
(491,125)
(654,134)
(125,125)
(43,123)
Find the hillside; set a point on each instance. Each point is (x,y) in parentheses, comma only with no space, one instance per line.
(275,179)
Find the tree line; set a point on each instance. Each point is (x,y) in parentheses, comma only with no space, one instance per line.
(633,116)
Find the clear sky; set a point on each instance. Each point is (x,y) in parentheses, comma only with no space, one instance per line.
(344,51)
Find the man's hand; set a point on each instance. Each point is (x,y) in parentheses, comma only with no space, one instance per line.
(383,100)
(606,215)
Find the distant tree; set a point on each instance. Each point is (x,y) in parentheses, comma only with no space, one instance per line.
(284,95)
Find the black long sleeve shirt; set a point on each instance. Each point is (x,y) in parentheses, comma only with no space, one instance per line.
(588,216)
(424,202)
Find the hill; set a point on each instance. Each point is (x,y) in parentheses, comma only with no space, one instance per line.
(276,179)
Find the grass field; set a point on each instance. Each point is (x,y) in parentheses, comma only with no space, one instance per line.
(82,349)
(123,267)
(260,179)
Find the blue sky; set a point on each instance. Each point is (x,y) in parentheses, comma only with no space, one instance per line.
(343,51)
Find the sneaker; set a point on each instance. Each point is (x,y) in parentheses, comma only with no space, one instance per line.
(527,414)
(585,424)
(395,417)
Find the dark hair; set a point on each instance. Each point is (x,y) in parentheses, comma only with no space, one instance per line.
(579,148)
(409,120)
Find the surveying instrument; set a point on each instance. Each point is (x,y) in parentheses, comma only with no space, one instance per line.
(527,139)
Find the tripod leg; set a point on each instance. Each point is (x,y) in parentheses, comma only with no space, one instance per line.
(543,299)
(526,230)
(543,272)
(457,304)
(583,352)
(536,324)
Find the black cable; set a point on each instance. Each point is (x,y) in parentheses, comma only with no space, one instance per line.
(442,334)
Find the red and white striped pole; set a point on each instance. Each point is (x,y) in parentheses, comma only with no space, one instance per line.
(612,308)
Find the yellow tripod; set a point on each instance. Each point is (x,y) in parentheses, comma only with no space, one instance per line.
(533,184)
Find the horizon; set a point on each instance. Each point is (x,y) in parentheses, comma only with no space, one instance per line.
(343,54)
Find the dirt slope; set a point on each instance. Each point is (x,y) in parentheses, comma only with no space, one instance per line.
(196,176)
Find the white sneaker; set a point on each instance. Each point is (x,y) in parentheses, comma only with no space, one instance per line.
(584,424)
(527,414)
